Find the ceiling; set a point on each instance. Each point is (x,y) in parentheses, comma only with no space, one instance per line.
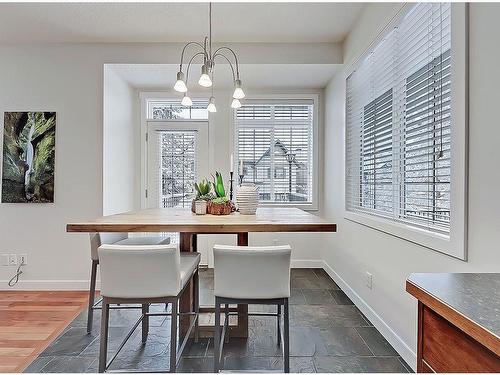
(174,22)
(255,76)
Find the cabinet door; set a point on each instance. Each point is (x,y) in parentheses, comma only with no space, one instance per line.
(446,348)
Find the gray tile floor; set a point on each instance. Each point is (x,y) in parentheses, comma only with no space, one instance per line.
(327,334)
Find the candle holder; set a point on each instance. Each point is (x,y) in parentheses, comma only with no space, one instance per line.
(231,185)
(241,178)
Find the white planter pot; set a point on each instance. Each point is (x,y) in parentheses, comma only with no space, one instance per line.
(247,198)
(200,207)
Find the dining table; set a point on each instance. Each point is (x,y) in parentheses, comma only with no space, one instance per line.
(189,225)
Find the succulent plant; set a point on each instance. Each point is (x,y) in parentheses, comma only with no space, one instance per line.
(220,200)
(203,190)
(218,185)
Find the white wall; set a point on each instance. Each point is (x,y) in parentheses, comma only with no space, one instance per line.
(357,249)
(121,147)
(68,79)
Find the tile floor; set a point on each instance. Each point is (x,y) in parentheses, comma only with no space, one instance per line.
(327,334)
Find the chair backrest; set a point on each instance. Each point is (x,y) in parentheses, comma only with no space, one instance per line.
(144,271)
(98,239)
(252,272)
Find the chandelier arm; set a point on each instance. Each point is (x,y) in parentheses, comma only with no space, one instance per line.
(229,61)
(235,59)
(184,49)
(189,64)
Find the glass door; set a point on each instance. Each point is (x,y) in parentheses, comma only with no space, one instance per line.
(177,158)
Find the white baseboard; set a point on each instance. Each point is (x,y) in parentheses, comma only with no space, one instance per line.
(46,285)
(398,344)
(84,284)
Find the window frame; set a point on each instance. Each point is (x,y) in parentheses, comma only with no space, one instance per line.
(315,97)
(454,244)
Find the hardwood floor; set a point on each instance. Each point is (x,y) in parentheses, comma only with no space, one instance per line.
(30,321)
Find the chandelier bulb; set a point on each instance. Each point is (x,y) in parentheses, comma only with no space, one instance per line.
(180,84)
(236,103)
(205,80)
(211,105)
(238,91)
(186,101)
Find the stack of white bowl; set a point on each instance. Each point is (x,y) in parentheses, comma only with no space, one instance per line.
(247,198)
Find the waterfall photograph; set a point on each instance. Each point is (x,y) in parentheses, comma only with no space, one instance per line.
(28,157)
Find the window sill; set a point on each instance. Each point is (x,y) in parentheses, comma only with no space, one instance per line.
(303,206)
(422,237)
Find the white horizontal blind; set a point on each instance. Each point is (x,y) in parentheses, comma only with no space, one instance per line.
(398,123)
(177,168)
(172,109)
(274,139)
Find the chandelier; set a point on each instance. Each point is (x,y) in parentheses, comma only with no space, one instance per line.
(206,78)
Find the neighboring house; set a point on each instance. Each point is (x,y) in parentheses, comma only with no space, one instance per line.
(290,178)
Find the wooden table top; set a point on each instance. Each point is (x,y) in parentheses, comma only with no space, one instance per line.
(267,219)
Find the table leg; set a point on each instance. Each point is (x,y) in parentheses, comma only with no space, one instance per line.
(242,329)
(187,243)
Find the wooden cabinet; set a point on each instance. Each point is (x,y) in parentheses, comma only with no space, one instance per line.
(445,348)
(449,339)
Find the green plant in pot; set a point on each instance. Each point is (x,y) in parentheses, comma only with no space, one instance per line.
(220,205)
(203,195)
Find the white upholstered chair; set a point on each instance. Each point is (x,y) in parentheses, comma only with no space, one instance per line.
(98,239)
(251,275)
(144,275)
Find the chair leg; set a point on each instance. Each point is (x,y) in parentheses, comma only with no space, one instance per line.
(90,313)
(286,338)
(226,316)
(145,322)
(173,336)
(217,334)
(278,325)
(103,350)
(196,306)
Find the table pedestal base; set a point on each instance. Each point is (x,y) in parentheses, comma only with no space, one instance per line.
(238,325)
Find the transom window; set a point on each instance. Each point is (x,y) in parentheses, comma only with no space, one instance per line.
(172,109)
(274,140)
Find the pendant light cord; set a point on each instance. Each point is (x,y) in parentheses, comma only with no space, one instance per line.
(210,28)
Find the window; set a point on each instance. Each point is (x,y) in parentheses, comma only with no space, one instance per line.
(400,121)
(177,168)
(274,140)
(172,109)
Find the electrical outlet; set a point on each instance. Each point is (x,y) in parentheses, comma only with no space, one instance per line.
(275,242)
(4,259)
(12,260)
(368,280)
(23,259)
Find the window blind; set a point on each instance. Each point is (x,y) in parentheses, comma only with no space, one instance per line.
(398,123)
(274,139)
(172,109)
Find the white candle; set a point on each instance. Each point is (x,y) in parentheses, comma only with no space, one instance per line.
(232,164)
(241,167)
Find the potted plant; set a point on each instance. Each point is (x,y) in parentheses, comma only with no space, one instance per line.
(220,205)
(203,195)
